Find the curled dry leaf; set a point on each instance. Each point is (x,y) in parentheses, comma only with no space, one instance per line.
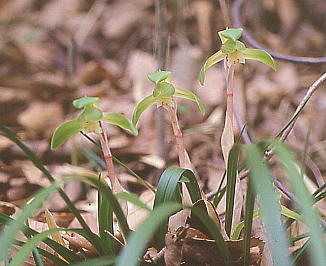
(77,242)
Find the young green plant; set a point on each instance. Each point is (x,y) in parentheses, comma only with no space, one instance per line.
(163,95)
(91,120)
(232,52)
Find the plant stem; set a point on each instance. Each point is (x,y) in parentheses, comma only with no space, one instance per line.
(227,139)
(184,160)
(229,92)
(107,154)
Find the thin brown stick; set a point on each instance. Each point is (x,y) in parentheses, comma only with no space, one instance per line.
(290,124)
(161,48)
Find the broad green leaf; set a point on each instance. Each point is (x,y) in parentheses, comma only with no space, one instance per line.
(305,203)
(90,114)
(261,56)
(192,97)
(64,132)
(84,101)
(168,191)
(159,76)
(37,162)
(164,89)
(137,241)
(141,107)
(132,198)
(269,205)
(230,34)
(120,121)
(212,60)
(231,176)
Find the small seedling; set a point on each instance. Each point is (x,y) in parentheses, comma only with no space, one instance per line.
(233,52)
(162,95)
(91,120)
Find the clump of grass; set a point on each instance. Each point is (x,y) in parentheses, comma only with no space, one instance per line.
(169,190)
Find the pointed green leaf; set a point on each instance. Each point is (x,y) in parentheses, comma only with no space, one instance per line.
(168,191)
(261,56)
(304,203)
(231,178)
(141,107)
(64,132)
(137,241)
(84,101)
(91,114)
(269,205)
(212,60)
(120,121)
(164,89)
(192,97)
(159,76)
(230,34)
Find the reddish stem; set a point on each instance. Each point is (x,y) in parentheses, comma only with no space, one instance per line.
(183,161)
(107,154)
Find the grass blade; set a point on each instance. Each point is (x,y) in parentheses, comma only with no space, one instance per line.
(305,205)
(7,236)
(232,172)
(32,243)
(138,239)
(168,191)
(249,215)
(113,202)
(63,251)
(44,253)
(37,162)
(270,208)
(105,223)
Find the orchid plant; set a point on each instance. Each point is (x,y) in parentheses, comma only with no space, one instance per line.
(163,95)
(232,52)
(91,120)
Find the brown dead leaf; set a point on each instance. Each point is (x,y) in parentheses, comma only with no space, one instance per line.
(77,243)
(41,117)
(122,18)
(8,208)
